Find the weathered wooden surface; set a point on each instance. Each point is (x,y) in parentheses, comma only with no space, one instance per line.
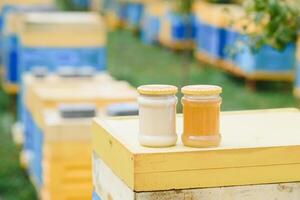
(260,146)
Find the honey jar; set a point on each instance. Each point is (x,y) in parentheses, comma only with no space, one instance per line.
(157,115)
(201,115)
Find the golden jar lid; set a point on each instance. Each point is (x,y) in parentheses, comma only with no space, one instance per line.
(204,90)
(157,89)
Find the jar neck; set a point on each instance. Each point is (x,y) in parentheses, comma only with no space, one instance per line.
(157,97)
(202,97)
(157,100)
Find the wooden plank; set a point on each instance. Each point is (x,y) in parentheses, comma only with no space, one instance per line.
(66,174)
(271,142)
(107,184)
(66,194)
(63,150)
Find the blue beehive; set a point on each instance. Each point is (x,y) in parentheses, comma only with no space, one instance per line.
(266,59)
(11,17)
(177,31)
(150,29)
(48,40)
(151,21)
(134,14)
(212,21)
(182,27)
(122,11)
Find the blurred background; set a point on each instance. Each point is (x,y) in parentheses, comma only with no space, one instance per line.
(247,47)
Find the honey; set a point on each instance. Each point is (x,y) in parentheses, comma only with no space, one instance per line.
(157,115)
(201,116)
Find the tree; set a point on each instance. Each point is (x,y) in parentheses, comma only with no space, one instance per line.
(278,22)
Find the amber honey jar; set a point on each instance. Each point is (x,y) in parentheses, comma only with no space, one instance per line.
(201,115)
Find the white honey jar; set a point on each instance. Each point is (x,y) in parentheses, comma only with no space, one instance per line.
(157,115)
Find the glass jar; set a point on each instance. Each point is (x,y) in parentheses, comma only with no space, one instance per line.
(201,115)
(157,115)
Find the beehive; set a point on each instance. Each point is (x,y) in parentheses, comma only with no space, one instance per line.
(40,94)
(11,18)
(55,148)
(63,168)
(48,39)
(25,120)
(150,26)
(266,60)
(101,94)
(213,22)
(135,12)
(297,82)
(267,153)
(222,41)
(176,31)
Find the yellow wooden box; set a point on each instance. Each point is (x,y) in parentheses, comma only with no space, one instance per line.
(109,186)
(98,91)
(66,155)
(27,2)
(258,147)
(56,29)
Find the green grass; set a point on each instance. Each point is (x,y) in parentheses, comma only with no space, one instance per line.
(130,60)
(14,183)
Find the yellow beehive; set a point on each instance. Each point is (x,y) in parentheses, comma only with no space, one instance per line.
(66,156)
(26,3)
(266,153)
(95,91)
(57,30)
